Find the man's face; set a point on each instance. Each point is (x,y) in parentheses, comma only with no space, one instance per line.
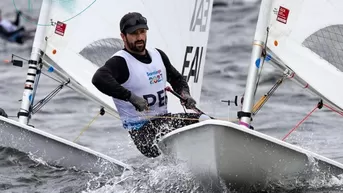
(136,41)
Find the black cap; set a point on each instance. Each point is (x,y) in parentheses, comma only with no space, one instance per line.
(132,21)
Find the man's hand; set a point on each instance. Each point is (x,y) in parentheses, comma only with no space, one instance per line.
(3,113)
(138,102)
(189,102)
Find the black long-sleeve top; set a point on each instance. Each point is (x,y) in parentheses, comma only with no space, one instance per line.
(108,78)
(7,34)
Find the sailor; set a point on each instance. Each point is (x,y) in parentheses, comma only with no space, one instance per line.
(11,31)
(136,78)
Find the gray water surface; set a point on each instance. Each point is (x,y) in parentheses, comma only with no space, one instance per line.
(228,57)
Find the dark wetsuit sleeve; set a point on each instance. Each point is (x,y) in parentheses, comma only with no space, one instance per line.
(108,78)
(17,19)
(176,80)
(8,34)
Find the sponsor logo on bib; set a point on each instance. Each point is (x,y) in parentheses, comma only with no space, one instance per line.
(155,76)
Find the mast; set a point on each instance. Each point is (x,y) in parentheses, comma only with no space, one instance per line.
(256,62)
(24,112)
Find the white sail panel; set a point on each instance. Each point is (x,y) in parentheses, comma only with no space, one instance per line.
(305,35)
(92,35)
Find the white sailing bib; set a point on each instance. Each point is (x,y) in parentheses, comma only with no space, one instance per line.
(147,81)
(8,26)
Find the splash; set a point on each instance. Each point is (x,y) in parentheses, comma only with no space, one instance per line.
(322,178)
(317,176)
(155,175)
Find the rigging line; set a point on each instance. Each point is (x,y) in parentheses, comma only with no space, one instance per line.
(258,105)
(46,99)
(318,106)
(116,116)
(263,54)
(86,127)
(38,24)
(146,116)
(171,117)
(299,123)
(189,119)
(331,108)
(80,11)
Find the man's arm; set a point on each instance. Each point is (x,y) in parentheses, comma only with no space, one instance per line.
(17,19)
(108,78)
(176,80)
(8,34)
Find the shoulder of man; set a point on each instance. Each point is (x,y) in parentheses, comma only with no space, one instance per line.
(118,67)
(161,52)
(116,60)
(164,56)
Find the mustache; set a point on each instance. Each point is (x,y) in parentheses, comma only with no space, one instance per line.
(139,41)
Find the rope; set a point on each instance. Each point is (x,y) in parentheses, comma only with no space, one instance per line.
(86,127)
(224,119)
(170,117)
(190,119)
(297,125)
(147,117)
(319,106)
(331,108)
(113,115)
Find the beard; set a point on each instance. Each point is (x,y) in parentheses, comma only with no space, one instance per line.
(137,46)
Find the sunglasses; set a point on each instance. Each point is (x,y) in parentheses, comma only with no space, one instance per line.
(134,21)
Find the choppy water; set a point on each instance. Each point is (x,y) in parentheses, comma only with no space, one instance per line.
(228,55)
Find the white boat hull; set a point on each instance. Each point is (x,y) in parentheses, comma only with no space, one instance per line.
(55,150)
(218,151)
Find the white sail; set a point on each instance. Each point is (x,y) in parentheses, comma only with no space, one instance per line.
(52,149)
(243,159)
(307,37)
(83,34)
